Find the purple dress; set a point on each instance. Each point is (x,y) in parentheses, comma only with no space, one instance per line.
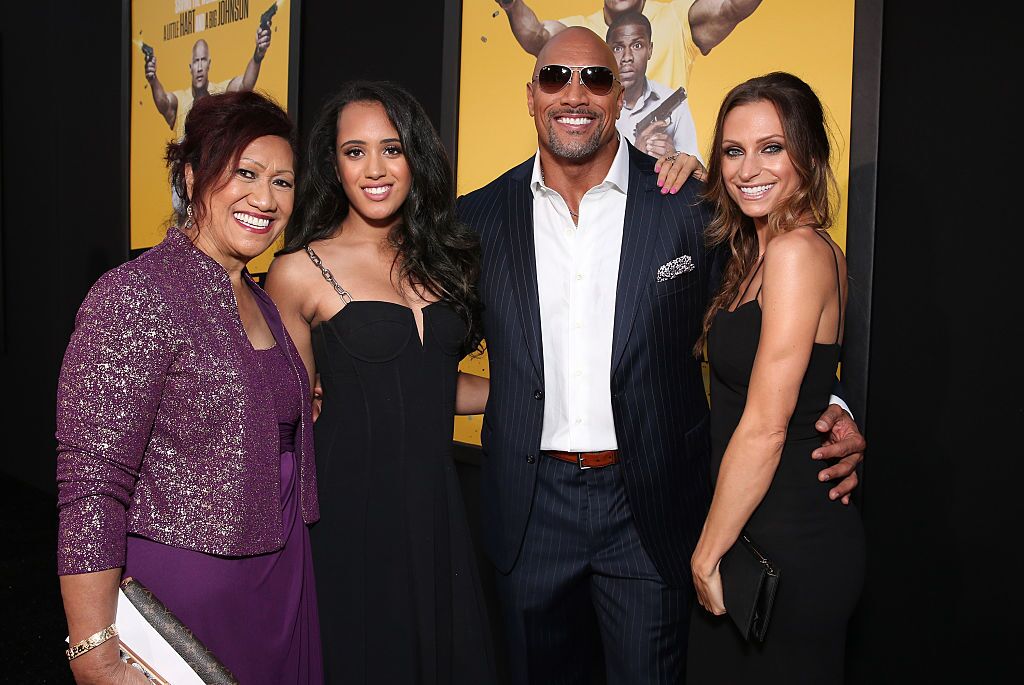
(258,614)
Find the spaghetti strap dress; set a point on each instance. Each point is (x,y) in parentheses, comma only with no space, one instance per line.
(399,592)
(817,544)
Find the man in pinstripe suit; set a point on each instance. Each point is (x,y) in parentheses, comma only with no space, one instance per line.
(595,474)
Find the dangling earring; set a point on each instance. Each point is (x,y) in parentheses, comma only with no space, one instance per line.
(188,211)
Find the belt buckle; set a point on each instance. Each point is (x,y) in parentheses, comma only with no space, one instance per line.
(579,460)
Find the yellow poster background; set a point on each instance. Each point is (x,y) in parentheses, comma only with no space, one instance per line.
(809,38)
(231,47)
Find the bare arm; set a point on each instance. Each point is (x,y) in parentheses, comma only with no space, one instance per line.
(247,81)
(471,394)
(530,32)
(90,603)
(798,282)
(711,21)
(284,284)
(166,103)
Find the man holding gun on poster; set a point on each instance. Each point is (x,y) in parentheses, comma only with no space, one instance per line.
(175,105)
(654,118)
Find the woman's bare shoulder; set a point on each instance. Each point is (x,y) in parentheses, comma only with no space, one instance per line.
(292,267)
(803,246)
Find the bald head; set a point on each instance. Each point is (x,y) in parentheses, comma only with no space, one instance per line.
(574,124)
(576,46)
(199,67)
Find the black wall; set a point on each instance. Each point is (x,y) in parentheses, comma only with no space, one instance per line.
(941,497)
(61,202)
(400,42)
(940,494)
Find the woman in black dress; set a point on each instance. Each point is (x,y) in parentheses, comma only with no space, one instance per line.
(773,335)
(376,285)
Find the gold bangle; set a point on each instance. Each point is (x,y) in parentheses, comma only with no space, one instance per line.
(91,642)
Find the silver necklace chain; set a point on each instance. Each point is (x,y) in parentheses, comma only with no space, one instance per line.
(573,214)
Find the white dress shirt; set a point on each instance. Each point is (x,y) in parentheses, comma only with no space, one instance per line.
(577,273)
(681,129)
(577,276)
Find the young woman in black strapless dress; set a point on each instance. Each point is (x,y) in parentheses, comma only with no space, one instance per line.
(773,337)
(376,285)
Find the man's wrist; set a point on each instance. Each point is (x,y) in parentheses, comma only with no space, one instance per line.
(838,401)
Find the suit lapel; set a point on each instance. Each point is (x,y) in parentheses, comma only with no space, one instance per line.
(524,262)
(639,238)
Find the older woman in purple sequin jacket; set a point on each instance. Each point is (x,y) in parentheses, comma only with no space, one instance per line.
(185,437)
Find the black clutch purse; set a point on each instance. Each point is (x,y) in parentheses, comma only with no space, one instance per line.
(749,582)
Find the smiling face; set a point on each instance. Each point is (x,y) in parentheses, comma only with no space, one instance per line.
(574,123)
(251,205)
(757,170)
(371,163)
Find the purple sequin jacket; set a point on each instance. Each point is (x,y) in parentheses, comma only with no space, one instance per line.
(164,427)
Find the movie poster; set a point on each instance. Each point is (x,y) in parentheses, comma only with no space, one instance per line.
(677,60)
(184,50)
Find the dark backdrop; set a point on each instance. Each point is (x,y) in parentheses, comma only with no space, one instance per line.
(939,497)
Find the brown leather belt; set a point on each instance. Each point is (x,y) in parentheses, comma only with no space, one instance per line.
(586,460)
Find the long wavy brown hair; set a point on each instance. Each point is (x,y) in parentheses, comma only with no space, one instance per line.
(813,203)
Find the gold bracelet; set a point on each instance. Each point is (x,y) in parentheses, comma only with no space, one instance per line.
(91,642)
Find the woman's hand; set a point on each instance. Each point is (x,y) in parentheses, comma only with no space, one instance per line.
(103,666)
(707,581)
(674,169)
(90,602)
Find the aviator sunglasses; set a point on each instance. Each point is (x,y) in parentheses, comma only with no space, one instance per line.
(554,77)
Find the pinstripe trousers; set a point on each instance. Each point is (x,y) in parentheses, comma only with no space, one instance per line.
(583,575)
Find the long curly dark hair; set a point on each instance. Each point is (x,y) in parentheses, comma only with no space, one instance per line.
(808,143)
(435,251)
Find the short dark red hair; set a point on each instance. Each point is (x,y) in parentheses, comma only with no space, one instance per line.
(218,128)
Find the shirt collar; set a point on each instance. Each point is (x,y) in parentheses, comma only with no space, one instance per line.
(648,94)
(617,177)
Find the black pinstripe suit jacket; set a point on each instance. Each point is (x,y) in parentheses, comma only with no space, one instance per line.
(658,400)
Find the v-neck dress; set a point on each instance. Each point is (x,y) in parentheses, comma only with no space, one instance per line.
(399,591)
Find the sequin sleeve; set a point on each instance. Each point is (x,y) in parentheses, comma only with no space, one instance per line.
(107,397)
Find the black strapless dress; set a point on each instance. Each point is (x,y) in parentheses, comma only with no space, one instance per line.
(399,592)
(818,544)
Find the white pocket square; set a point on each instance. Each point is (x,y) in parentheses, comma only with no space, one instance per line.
(678,266)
